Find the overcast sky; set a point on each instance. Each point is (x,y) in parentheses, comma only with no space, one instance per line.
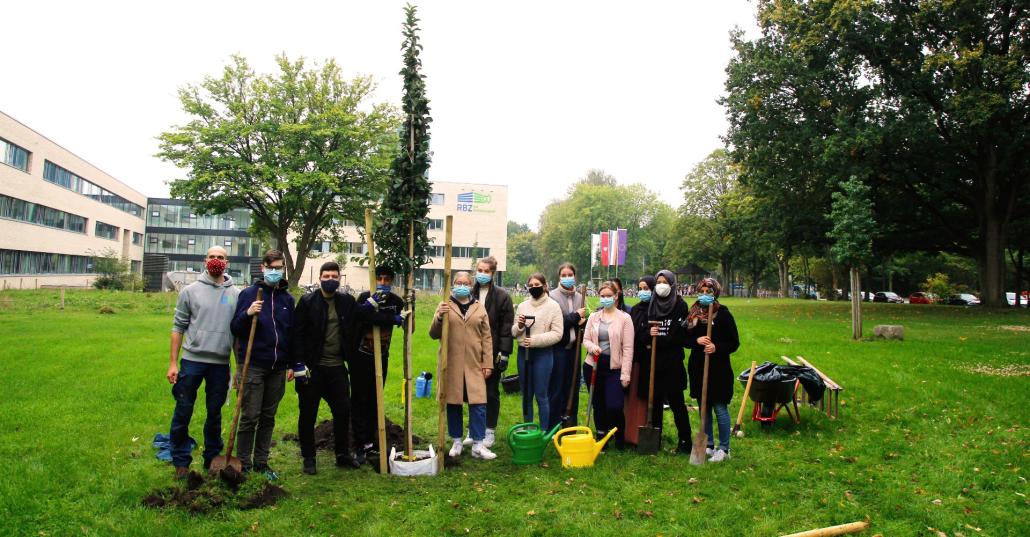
(525,94)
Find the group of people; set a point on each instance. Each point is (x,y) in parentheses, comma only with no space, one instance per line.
(324,342)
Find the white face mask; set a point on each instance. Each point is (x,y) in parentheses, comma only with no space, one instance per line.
(663,289)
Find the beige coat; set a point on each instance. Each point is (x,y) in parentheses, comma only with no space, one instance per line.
(469,350)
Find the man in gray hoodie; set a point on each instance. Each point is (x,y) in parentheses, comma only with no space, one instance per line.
(201,331)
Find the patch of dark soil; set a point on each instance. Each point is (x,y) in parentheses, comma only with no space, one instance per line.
(194,480)
(232,478)
(325,436)
(451,462)
(268,495)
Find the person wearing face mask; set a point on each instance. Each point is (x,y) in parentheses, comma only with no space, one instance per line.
(536,339)
(269,360)
(200,332)
(636,404)
(669,310)
(364,411)
(566,361)
(323,324)
(470,363)
(724,341)
(620,299)
(609,344)
(501,315)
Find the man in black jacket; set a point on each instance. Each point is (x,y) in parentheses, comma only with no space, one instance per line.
(501,314)
(362,365)
(324,325)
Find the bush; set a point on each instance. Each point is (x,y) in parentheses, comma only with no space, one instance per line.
(114,272)
(940,286)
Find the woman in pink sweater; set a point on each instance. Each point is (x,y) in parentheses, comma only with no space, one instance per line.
(609,343)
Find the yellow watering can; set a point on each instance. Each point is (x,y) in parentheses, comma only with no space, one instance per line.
(577,447)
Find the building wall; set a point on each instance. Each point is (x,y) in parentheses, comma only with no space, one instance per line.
(480,222)
(30,186)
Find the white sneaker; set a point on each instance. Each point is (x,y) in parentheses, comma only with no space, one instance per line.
(719,456)
(467,441)
(479,451)
(455,448)
(709,452)
(490,438)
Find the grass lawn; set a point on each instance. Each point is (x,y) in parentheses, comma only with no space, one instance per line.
(933,436)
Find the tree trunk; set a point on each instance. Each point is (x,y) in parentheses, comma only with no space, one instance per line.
(992,260)
(782,263)
(856,304)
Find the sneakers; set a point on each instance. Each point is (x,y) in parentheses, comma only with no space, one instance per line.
(490,438)
(684,447)
(267,472)
(467,441)
(181,472)
(480,451)
(719,456)
(709,452)
(346,461)
(309,466)
(455,448)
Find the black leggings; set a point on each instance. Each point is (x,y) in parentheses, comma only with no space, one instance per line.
(329,383)
(679,410)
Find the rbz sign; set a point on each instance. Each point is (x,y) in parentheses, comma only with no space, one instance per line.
(473,202)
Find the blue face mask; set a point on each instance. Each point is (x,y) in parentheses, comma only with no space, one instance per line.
(483,279)
(607,301)
(568,282)
(385,288)
(706,300)
(272,275)
(645,296)
(330,286)
(461,291)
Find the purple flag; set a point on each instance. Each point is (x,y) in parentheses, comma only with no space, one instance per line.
(622,247)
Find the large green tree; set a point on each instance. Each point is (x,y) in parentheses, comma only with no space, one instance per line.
(303,149)
(406,204)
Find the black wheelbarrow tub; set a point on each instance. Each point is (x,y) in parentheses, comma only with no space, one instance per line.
(771,392)
(510,384)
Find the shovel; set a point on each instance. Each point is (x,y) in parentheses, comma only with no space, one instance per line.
(649,437)
(743,402)
(227,466)
(530,321)
(590,397)
(697,453)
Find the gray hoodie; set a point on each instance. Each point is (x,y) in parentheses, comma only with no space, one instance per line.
(203,313)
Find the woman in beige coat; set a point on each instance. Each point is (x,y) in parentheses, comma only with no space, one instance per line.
(469,363)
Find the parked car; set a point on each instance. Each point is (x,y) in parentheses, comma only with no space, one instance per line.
(1011,297)
(889,297)
(920,298)
(963,299)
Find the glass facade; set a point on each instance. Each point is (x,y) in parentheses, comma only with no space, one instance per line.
(35,213)
(184,217)
(14,156)
(106,231)
(238,270)
(60,176)
(463,252)
(22,262)
(197,244)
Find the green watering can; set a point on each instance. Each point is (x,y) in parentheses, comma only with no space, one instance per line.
(528,442)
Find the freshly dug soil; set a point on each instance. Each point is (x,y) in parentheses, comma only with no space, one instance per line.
(200,495)
(325,436)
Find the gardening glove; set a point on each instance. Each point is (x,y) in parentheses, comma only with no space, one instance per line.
(502,363)
(380,296)
(301,373)
(370,303)
(398,320)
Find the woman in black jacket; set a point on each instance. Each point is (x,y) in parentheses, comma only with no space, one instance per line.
(670,378)
(724,341)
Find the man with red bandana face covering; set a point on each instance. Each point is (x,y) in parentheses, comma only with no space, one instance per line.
(200,331)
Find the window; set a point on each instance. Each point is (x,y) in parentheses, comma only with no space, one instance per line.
(435,223)
(155,214)
(153,239)
(22,262)
(437,251)
(106,231)
(60,176)
(33,213)
(14,156)
(191,242)
(137,238)
(227,244)
(436,198)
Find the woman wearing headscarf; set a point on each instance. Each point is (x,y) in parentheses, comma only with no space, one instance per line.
(724,341)
(670,378)
(470,363)
(636,405)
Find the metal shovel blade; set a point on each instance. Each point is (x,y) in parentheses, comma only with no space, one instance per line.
(697,453)
(222,462)
(649,440)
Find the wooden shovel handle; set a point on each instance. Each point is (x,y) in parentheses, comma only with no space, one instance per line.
(243,380)
(704,381)
(747,390)
(650,386)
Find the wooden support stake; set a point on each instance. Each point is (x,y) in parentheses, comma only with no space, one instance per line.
(62,298)
(441,371)
(409,326)
(377,346)
(842,529)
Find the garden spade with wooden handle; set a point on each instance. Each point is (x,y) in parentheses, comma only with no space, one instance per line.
(697,454)
(649,437)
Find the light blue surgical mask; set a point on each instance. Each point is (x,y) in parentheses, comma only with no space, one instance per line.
(607,301)
(645,296)
(483,279)
(272,275)
(383,288)
(461,291)
(568,282)
(706,300)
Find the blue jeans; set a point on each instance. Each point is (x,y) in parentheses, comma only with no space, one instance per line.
(216,389)
(477,421)
(561,380)
(535,380)
(722,415)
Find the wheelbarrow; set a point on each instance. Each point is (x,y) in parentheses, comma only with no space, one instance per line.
(770,397)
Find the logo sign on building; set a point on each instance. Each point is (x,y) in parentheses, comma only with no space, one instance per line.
(474,202)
